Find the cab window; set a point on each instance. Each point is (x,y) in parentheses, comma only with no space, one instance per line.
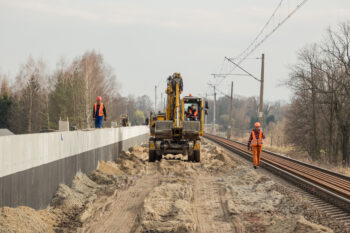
(190,114)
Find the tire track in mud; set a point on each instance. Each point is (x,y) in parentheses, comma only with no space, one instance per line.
(124,208)
(210,208)
(202,192)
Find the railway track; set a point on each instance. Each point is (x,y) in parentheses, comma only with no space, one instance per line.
(327,190)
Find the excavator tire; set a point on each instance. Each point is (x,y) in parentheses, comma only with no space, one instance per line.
(190,156)
(151,156)
(159,157)
(197,156)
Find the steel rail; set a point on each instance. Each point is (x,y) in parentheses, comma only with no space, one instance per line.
(329,186)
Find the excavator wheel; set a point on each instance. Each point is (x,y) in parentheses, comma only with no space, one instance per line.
(159,156)
(190,156)
(197,156)
(151,156)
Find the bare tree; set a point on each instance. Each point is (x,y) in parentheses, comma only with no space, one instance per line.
(321,84)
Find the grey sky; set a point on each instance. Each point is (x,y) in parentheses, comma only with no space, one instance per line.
(145,41)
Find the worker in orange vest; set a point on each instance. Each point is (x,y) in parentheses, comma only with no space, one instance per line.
(256,142)
(192,113)
(99,112)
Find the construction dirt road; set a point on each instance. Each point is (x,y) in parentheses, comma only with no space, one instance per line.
(220,194)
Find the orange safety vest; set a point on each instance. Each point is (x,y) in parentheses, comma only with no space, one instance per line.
(195,113)
(255,141)
(100,111)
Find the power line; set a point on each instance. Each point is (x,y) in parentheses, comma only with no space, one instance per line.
(262,29)
(249,74)
(274,29)
(218,90)
(250,49)
(257,45)
(221,92)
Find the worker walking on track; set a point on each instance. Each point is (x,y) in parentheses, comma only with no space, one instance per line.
(99,113)
(256,142)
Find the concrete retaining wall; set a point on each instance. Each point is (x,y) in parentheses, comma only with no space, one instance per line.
(33,165)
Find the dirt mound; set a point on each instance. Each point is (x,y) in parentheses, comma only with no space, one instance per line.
(297,224)
(215,160)
(249,194)
(257,201)
(167,209)
(109,168)
(131,163)
(220,194)
(140,151)
(71,206)
(177,168)
(25,219)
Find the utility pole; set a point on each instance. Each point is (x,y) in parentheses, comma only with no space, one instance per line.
(229,128)
(261,80)
(205,115)
(161,101)
(261,104)
(155,99)
(214,118)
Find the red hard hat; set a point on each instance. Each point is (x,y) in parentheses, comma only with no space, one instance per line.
(190,94)
(99,98)
(257,124)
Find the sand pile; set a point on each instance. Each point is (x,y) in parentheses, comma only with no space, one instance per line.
(252,191)
(177,168)
(261,207)
(296,224)
(215,160)
(25,219)
(168,209)
(132,162)
(220,194)
(71,206)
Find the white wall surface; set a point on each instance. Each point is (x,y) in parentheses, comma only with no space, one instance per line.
(21,152)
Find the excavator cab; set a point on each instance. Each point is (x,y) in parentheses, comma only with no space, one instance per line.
(193,115)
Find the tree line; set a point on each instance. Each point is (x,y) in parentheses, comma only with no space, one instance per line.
(244,114)
(37,99)
(318,118)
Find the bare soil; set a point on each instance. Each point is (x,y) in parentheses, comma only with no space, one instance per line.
(220,194)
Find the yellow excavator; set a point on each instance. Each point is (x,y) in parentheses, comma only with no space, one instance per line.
(178,130)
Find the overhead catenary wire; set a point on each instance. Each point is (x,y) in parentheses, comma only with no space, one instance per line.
(218,90)
(274,29)
(250,49)
(249,74)
(262,30)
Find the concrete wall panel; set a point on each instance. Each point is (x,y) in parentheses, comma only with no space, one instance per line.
(32,166)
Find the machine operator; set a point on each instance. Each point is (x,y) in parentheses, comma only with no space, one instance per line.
(192,113)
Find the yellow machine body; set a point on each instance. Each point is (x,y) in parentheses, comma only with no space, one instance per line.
(173,132)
